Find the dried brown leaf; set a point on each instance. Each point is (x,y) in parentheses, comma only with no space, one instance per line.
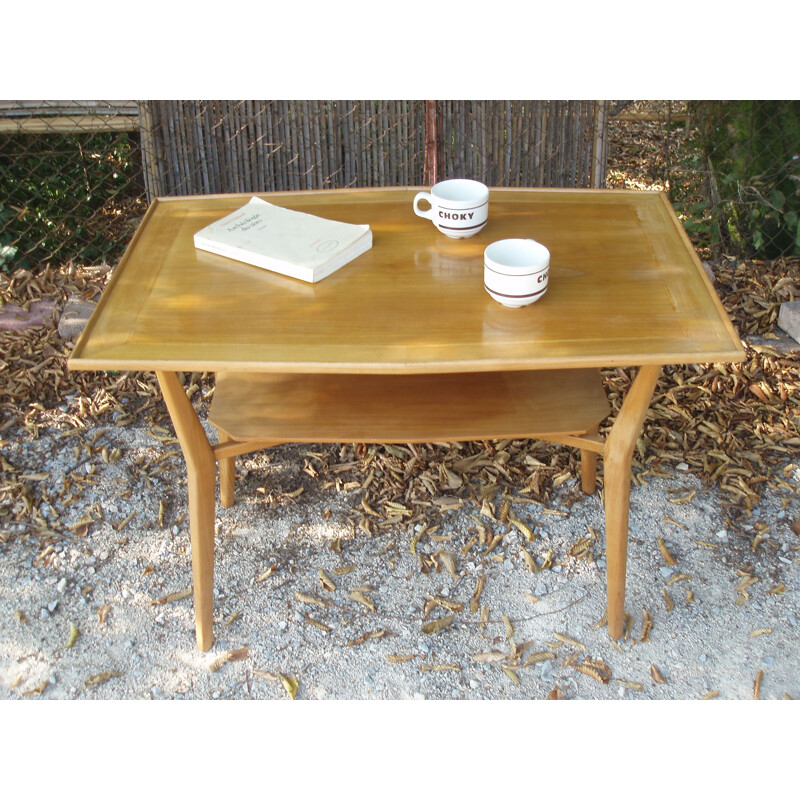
(101,677)
(304,597)
(486,658)
(172,597)
(535,658)
(757,685)
(668,557)
(290,684)
(399,659)
(569,640)
(656,675)
(647,625)
(360,597)
(511,674)
(326,582)
(437,625)
(232,655)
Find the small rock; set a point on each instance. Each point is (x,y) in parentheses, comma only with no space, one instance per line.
(419,696)
(62,584)
(74,317)
(683,466)
(703,657)
(540,589)
(473,684)
(722,534)
(665,571)
(768,661)
(51,607)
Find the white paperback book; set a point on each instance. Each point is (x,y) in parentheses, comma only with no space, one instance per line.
(289,242)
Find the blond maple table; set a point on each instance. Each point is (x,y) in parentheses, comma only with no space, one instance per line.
(405,345)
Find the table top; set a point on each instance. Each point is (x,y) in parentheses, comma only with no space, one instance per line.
(626,288)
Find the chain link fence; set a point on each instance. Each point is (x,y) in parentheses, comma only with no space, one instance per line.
(76,176)
(731,168)
(71,181)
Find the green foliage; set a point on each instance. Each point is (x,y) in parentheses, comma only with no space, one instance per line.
(751,149)
(59,194)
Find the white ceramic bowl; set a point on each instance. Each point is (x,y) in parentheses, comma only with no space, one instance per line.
(515,271)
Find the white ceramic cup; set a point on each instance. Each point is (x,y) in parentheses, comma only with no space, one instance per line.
(516,271)
(459,207)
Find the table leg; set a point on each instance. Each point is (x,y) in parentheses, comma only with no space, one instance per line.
(201,473)
(227,474)
(589,467)
(617,459)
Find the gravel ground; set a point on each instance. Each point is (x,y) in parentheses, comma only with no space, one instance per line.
(308,605)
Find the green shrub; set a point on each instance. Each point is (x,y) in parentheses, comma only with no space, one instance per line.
(751,150)
(61,196)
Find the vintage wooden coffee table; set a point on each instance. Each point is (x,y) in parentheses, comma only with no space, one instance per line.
(405,345)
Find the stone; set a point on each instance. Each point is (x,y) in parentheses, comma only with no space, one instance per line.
(15,318)
(789,319)
(778,340)
(74,317)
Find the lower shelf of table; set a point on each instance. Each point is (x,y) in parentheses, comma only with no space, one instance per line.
(408,408)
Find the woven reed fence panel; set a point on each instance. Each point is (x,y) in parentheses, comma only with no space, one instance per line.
(216,146)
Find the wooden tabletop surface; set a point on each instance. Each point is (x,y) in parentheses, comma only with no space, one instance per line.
(626,289)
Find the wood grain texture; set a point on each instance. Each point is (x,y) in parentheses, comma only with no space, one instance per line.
(410,408)
(201,470)
(625,289)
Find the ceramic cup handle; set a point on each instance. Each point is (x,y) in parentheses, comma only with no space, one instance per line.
(419,212)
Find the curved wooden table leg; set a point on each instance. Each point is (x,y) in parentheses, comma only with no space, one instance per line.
(201,472)
(589,467)
(227,474)
(617,459)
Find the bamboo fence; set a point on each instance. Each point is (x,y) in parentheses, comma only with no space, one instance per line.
(217,146)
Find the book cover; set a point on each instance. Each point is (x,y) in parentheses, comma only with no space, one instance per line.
(289,242)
